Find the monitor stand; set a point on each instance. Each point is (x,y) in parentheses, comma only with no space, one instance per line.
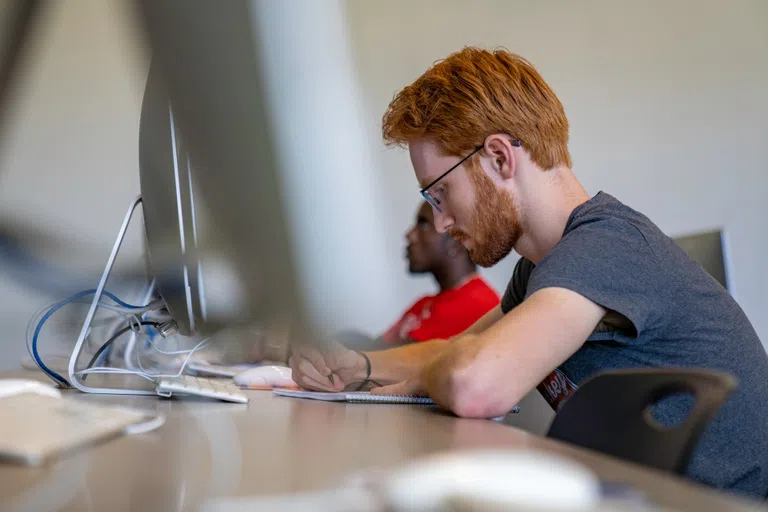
(77,351)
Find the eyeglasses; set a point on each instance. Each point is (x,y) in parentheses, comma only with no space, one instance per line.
(433,198)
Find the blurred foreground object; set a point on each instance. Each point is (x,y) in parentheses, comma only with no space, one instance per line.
(264,122)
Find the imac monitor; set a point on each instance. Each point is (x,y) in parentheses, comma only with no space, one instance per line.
(169,209)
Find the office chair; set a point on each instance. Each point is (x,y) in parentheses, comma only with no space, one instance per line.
(710,250)
(611,413)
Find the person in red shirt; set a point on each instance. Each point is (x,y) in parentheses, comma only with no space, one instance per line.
(464,296)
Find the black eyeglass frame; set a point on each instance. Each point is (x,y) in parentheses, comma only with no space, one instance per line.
(433,202)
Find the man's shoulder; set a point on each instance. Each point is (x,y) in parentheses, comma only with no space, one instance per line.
(606,213)
(608,233)
(604,241)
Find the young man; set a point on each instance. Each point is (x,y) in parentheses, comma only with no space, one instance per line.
(464,296)
(600,286)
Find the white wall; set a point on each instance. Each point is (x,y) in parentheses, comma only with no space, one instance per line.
(668,103)
(69,159)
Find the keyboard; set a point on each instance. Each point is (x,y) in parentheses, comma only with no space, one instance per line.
(219,389)
(35,428)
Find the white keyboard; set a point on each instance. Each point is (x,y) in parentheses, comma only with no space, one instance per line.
(35,428)
(220,389)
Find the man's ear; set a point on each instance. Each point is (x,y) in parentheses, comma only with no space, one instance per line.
(500,151)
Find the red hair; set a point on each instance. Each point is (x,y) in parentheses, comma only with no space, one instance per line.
(474,93)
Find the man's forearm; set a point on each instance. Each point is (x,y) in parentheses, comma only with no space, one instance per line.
(399,364)
(483,323)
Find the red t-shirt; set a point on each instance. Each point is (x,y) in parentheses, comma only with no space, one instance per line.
(446,314)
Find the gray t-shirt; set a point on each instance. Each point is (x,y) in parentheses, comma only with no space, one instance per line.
(664,310)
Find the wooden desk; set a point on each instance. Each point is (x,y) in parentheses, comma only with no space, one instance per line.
(274,445)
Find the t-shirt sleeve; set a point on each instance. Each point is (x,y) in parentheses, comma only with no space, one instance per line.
(515,292)
(609,262)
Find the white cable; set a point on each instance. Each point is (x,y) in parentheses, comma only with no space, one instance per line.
(129,315)
(168,352)
(28,332)
(104,370)
(124,312)
(35,319)
(145,374)
(130,345)
(183,365)
(134,323)
(155,304)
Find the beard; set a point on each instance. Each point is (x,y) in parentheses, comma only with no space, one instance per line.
(495,224)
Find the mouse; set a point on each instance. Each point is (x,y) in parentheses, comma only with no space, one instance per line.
(11,387)
(265,377)
(500,479)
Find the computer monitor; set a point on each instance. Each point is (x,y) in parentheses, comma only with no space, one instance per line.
(206,64)
(168,204)
(265,95)
(708,249)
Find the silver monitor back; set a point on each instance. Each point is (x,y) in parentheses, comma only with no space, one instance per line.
(264,96)
(204,59)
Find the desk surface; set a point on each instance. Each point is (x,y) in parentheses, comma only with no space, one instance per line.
(273,445)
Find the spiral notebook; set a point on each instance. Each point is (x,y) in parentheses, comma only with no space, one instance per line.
(354,396)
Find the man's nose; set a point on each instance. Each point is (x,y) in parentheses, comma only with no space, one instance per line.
(410,235)
(442,221)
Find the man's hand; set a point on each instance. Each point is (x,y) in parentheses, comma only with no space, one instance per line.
(411,387)
(330,367)
(420,383)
